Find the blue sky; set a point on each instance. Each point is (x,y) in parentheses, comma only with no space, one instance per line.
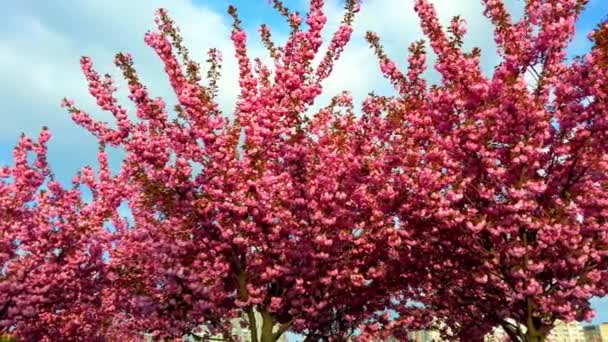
(41,43)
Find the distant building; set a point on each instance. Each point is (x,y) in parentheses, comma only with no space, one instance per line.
(244,334)
(425,336)
(596,333)
(592,333)
(562,332)
(604,331)
(431,335)
(567,332)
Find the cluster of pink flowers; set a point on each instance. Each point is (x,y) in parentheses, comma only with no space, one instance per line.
(52,279)
(476,203)
(507,195)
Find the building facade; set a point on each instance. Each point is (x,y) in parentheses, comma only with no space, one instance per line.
(567,332)
(244,334)
(425,336)
(592,333)
(596,333)
(603,331)
(562,332)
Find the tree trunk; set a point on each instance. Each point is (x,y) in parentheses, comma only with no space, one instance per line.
(534,338)
(267,328)
(534,333)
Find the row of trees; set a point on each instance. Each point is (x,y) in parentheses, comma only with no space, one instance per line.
(477,202)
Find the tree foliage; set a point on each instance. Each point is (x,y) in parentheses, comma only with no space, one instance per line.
(474,203)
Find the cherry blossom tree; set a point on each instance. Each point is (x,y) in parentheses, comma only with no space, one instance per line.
(507,190)
(51,246)
(272,216)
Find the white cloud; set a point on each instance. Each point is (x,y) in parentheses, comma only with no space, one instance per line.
(40,46)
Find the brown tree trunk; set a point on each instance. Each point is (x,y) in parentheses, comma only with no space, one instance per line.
(534,338)
(267,327)
(534,331)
